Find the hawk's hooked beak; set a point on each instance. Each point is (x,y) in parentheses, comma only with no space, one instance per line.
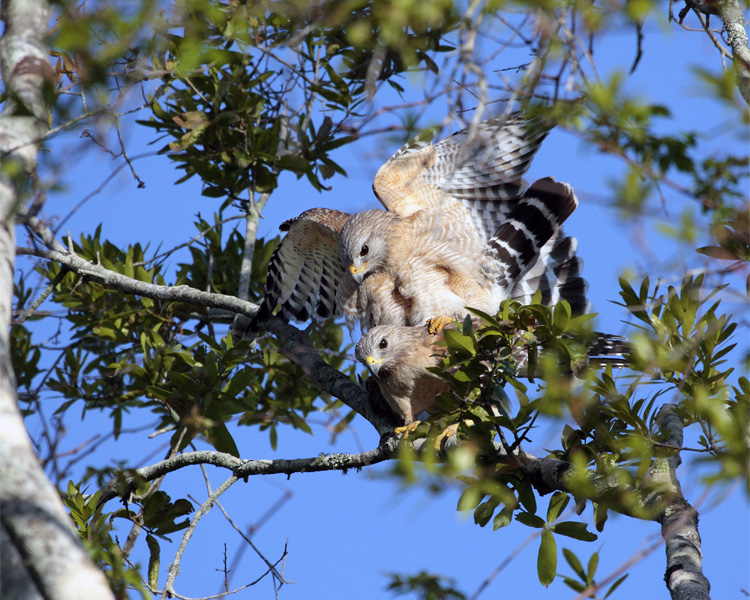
(358,272)
(373,364)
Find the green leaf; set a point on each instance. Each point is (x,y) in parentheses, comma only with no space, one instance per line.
(561,316)
(223,441)
(153,561)
(526,496)
(574,529)
(574,585)
(546,562)
(484,511)
(600,515)
(574,563)
(591,570)
(503,518)
(530,520)
(470,498)
(557,504)
(459,343)
(615,585)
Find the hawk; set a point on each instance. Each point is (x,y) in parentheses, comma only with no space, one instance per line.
(440,244)
(398,359)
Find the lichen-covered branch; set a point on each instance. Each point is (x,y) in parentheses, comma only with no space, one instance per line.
(734,25)
(679,523)
(551,474)
(246,468)
(42,554)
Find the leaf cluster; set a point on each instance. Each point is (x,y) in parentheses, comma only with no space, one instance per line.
(239,86)
(424,585)
(96,531)
(123,352)
(615,438)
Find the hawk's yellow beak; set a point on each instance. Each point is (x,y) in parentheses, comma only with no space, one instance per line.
(373,364)
(354,270)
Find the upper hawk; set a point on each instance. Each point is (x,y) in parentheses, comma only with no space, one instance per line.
(461,228)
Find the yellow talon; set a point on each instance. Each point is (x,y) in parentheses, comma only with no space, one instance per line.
(438,323)
(405,430)
(447,432)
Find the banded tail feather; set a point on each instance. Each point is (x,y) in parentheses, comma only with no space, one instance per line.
(608,349)
(536,217)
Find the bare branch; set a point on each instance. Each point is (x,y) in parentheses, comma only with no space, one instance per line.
(204,508)
(242,469)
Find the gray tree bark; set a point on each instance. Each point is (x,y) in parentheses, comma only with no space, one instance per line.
(41,554)
(734,25)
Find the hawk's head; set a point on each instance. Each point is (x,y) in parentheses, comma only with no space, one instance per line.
(388,348)
(364,242)
(375,347)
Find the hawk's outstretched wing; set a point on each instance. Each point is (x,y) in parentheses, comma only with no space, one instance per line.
(305,276)
(479,168)
(535,219)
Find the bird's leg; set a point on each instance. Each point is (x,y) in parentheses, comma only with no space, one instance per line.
(437,324)
(446,433)
(450,431)
(407,429)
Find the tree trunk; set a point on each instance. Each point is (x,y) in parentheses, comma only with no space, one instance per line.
(41,554)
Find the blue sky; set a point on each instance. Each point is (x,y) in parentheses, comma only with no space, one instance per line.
(345,531)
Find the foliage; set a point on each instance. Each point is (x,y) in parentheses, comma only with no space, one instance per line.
(426,586)
(95,529)
(679,352)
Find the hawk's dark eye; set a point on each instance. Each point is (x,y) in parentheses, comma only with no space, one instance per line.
(364,250)
(383,344)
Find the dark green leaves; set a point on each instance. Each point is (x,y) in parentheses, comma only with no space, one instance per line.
(425,586)
(239,95)
(96,531)
(547,553)
(586,579)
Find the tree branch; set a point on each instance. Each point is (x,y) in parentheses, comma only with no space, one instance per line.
(242,469)
(679,524)
(169,590)
(294,344)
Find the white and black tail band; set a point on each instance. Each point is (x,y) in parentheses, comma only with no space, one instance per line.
(532,222)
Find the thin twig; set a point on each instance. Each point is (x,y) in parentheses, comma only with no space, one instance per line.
(199,514)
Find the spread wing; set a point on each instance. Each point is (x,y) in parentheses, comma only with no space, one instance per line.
(480,169)
(305,276)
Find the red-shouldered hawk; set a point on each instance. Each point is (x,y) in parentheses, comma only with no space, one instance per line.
(398,359)
(433,252)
